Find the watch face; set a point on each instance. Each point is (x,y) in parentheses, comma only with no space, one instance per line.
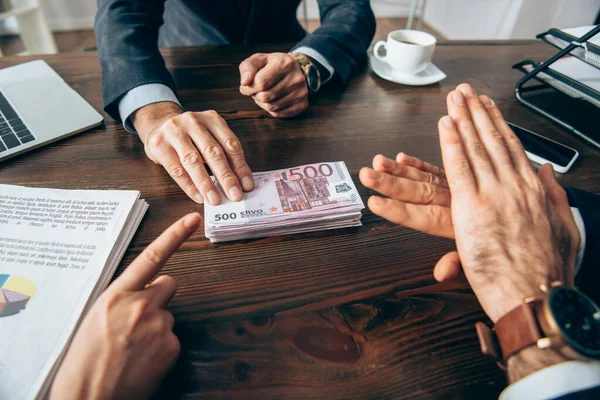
(313,78)
(578,318)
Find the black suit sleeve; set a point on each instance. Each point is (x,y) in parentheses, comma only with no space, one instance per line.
(347,28)
(587,394)
(127,39)
(588,278)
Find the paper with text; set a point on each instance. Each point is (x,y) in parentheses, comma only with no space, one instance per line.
(54,247)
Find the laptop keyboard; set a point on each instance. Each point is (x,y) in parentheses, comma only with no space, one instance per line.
(13,131)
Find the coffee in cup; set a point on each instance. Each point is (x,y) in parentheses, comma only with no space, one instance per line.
(406,51)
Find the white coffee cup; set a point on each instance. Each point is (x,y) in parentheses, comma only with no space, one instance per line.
(406,51)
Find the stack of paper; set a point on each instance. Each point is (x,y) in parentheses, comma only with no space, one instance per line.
(58,251)
(302,199)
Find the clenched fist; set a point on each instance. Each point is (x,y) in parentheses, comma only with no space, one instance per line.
(276,84)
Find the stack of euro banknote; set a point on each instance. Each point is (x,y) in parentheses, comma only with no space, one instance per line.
(307,198)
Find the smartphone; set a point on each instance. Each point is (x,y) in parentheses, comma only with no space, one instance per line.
(542,150)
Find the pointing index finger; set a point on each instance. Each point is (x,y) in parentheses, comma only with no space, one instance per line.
(148,264)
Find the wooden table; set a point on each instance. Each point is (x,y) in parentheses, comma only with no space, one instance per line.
(350,313)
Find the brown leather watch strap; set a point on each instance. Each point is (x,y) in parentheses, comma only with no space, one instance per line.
(518,329)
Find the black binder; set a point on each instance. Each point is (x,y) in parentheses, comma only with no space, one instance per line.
(568,102)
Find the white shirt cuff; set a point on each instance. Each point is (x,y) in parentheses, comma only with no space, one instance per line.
(581,227)
(555,381)
(312,53)
(141,96)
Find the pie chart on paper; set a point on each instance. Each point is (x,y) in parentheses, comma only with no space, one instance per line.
(15,293)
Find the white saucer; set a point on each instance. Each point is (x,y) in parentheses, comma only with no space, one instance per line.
(428,76)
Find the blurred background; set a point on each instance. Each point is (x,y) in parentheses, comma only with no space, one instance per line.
(48,26)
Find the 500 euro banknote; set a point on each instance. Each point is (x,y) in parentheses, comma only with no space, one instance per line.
(292,193)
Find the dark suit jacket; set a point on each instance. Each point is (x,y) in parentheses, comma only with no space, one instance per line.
(127,34)
(587,394)
(588,278)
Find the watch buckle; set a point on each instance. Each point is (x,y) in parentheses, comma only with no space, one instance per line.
(489,344)
(544,343)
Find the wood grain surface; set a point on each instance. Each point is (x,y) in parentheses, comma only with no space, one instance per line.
(345,314)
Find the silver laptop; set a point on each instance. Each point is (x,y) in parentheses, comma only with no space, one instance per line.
(38,107)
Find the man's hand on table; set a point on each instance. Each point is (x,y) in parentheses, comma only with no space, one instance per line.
(182,142)
(418,197)
(418,194)
(514,228)
(276,84)
(125,344)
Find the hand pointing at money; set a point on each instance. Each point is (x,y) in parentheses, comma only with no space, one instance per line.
(125,345)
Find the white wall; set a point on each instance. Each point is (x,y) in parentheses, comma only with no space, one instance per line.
(555,14)
(65,15)
(507,19)
(455,19)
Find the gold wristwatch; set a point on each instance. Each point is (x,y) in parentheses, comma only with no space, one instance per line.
(310,71)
